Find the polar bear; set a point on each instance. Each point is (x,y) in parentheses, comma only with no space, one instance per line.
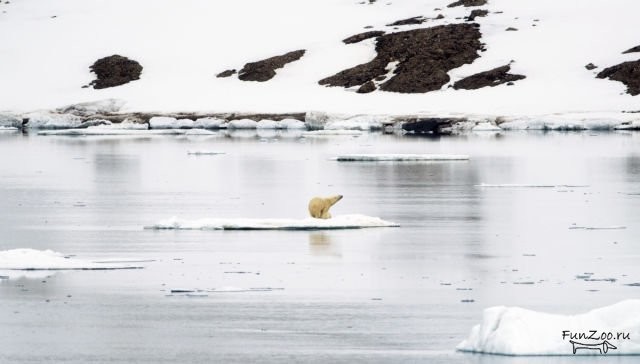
(319,206)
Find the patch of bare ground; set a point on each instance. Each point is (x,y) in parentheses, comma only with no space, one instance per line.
(114,71)
(424,57)
(467,3)
(362,36)
(491,78)
(627,72)
(265,69)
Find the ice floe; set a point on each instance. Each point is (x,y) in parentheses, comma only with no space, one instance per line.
(518,331)
(614,227)
(47,120)
(338,132)
(354,221)
(520,185)
(399,157)
(484,126)
(242,124)
(8,129)
(32,259)
(110,131)
(204,152)
(229,289)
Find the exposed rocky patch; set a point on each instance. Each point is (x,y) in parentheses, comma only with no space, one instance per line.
(434,126)
(114,71)
(424,57)
(265,69)
(512,29)
(627,73)
(362,36)
(590,66)
(227,73)
(477,13)
(467,3)
(409,21)
(367,88)
(491,78)
(632,50)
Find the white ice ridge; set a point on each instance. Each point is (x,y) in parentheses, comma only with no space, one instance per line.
(115,131)
(354,221)
(331,132)
(204,152)
(517,185)
(518,331)
(32,259)
(400,157)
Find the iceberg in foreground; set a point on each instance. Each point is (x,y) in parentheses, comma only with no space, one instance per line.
(354,221)
(399,157)
(517,331)
(32,259)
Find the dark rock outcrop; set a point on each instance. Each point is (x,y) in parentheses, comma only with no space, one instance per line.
(227,73)
(590,66)
(512,29)
(467,3)
(627,73)
(477,13)
(494,77)
(409,21)
(424,57)
(264,70)
(114,71)
(632,50)
(362,36)
(367,87)
(435,126)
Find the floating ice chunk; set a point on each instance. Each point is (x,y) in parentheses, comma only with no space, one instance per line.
(204,152)
(631,125)
(8,128)
(210,123)
(337,222)
(201,132)
(31,259)
(362,122)
(517,185)
(485,126)
(125,125)
(292,124)
(242,124)
(615,227)
(268,124)
(331,133)
(44,120)
(517,331)
(10,121)
(400,157)
(165,122)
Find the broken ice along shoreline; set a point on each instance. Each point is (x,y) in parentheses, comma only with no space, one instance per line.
(106,117)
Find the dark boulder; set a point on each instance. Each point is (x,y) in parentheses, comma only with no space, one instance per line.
(114,71)
(494,77)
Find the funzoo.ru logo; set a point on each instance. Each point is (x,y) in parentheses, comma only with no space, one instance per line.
(603,345)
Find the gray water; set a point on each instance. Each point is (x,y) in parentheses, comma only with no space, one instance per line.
(369,295)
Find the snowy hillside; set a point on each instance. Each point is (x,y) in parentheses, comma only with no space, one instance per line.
(47,47)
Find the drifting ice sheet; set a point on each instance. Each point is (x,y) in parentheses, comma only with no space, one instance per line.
(111,131)
(31,259)
(517,331)
(517,185)
(337,222)
(400,157)
(204,152)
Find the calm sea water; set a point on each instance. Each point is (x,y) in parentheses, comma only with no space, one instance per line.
(370,295)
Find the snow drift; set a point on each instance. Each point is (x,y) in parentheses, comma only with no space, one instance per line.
(337,222)
(518,331)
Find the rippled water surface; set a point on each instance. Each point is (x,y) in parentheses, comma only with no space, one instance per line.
(407,294)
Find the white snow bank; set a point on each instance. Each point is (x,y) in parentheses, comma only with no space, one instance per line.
(484,126)
(210,123)
(292,124)
(166,122)
(267,124)
(517,331)
(45,120)
(400,157)
(242,124)
(573,122)
(314,133)
(125,125)
(31,259)
(337,222)
(93,107)
(360,122)
(204,152)
(284,124)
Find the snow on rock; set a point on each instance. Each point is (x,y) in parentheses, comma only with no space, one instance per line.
(518,331)
(354,221)
(93,107)
(32,259)
(399,157)
(46,120)
(242,124)
(10,121)
(267,124)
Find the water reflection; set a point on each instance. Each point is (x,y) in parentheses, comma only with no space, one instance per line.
(321,244)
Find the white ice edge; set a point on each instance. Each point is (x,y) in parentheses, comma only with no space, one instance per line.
(614,227)
(32,259)
(204,152)
(518,331)
(331,132)
(399,157)
(524,185)
(354,221)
